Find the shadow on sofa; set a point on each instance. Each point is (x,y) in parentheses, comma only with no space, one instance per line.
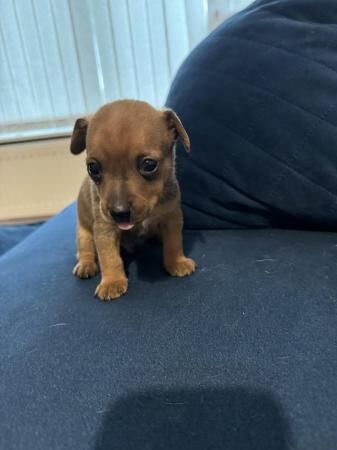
(233,418)
(148,257)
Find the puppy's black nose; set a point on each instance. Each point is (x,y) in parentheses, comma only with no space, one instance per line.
(120,216)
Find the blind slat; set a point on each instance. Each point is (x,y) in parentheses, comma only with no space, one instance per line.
(68,55)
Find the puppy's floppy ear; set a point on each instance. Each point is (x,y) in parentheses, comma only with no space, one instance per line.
(176,128)
(79,136)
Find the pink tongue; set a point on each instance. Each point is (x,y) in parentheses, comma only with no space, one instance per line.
(125,226)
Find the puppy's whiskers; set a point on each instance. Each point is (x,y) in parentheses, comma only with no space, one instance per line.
(140,196)
(105,217)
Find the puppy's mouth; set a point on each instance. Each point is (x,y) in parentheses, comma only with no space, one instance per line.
(125,226)
(124,221)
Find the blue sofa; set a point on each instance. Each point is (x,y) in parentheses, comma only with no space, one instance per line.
(243,354)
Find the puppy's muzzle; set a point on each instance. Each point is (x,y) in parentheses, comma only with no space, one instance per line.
(121,216)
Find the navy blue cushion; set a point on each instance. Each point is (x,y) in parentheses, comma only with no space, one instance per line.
(258,98)
(240,355)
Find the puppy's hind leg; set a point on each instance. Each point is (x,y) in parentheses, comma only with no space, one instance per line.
(86,254)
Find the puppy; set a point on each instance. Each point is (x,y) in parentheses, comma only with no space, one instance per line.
(130,191)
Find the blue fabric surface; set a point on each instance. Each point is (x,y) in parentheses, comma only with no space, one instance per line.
(12,235)
(258,99)
(240,355)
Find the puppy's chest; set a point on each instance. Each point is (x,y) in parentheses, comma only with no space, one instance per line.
(148,229)
(145,229)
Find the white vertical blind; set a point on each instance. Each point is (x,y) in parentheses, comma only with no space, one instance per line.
(60,59)
(220,10)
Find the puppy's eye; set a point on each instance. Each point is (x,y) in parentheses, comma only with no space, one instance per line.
(94,171)
(148,166)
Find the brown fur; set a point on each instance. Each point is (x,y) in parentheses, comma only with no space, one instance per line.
(117,136)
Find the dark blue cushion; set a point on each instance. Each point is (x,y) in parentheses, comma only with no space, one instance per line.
(241,355)
(258,98)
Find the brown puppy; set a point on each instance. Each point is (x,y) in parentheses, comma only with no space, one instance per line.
(130,191)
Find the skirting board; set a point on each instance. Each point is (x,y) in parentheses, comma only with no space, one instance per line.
(38,179)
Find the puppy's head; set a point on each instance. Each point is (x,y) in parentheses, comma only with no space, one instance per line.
(130,157)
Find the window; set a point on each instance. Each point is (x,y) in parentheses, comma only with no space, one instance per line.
(65,58)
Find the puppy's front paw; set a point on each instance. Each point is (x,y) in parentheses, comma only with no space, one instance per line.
(85,269)
(181,268)
(110,289)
